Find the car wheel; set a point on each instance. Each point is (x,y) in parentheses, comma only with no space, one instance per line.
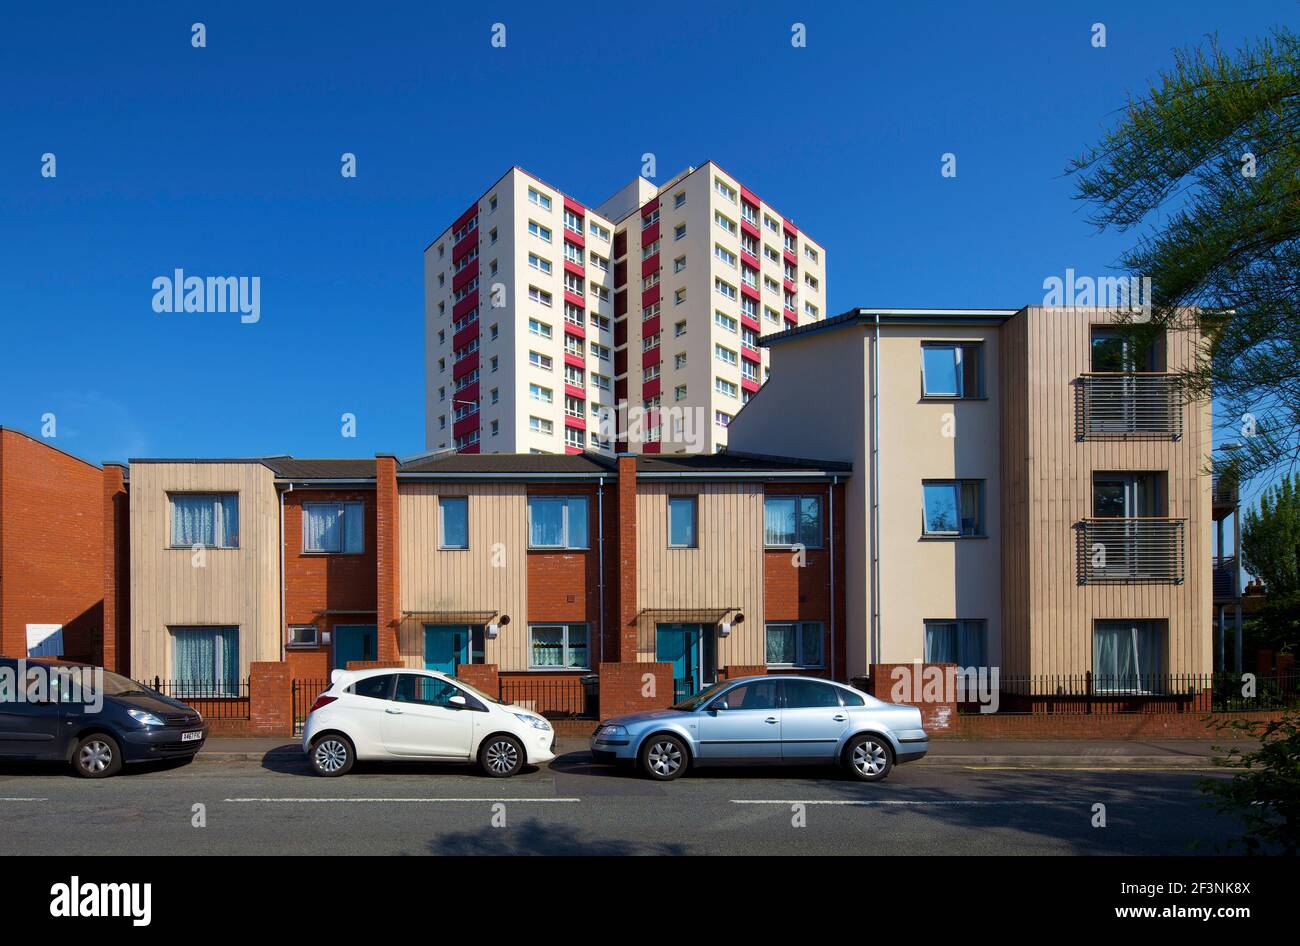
(332,755)
(97,756)
(664,758)
(868,758)
(501,756)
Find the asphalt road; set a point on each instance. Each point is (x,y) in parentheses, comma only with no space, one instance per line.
(574,807)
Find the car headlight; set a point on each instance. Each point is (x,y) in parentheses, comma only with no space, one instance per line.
(535,721)
(611,732)
(144,718)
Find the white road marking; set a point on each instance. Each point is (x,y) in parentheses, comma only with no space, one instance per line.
(24,799)
(313,801)
(917,802)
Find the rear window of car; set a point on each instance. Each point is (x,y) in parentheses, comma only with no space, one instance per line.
(802,694)
(377,688)
(852,699)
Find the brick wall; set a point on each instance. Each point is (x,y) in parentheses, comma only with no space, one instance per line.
(626,577)
(51,546)
(912,684)
(741,670)
(315,584)
(480,676)
(623,687)
(1135,726)
(388,600)
(270,698)
(116,649)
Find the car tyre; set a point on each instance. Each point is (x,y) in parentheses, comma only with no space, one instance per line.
(501,756)
(332,755)
(664,757)
(868,757)
(97,756)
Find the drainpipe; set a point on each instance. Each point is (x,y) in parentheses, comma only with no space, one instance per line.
(875,495)
(834,480)
(284,624)
(600,543)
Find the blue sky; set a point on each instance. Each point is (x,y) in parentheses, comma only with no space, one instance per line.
(225,161)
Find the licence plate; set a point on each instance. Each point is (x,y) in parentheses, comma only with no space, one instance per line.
(192,736)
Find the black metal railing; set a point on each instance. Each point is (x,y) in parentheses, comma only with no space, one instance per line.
(304,693)
(1138,693)
(1225,486)
(1128,405)
(215,699)
(1225,579)
(569,697)
(1130,550)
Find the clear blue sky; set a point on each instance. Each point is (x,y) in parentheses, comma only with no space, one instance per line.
(225,161)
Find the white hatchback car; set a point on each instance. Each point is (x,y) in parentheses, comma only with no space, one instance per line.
(420,715)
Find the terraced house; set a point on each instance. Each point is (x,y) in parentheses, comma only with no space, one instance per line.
(521,573)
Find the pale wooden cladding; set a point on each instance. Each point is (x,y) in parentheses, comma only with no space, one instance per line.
(232,587)
(1047,490)
(489,577)
(726,571)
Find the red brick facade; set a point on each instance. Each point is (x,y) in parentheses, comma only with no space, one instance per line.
(625,579)
(51,546)
(388,598)
(326,590)
(117,567)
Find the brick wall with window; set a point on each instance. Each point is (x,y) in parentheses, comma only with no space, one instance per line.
(329,567)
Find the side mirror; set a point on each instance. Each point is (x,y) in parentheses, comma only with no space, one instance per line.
(718,705)
(458,701)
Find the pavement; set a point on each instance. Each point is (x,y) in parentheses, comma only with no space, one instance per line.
(258,796)
(1184,754)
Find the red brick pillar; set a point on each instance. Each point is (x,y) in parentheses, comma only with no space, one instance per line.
(928,687)
(627,575)
(270,699)
(389,596)
(483,677)
(115,643)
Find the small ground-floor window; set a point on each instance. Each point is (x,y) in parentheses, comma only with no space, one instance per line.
(558,647)
(205,661)
(795,644)
(964,643)
(1128,655)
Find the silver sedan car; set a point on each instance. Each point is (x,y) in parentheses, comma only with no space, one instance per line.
(767,720)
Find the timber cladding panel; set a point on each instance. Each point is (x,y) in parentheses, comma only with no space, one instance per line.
(1049,613)
(490,577)
(724,571)
(236,587)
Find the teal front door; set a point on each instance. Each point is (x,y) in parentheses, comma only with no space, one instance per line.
(679,645)
(354,642)
(446,647)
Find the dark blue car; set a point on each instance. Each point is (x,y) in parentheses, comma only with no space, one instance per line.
(45,715)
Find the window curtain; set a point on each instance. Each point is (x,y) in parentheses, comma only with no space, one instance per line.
(546,523)
(228,640)
(1126,656)
(578,645)
(229,505)
(970,644)
(941,643)
(781,644)
(324,526)
(810,644)
(548,647)
(193,520)
(206,660)
(779,521)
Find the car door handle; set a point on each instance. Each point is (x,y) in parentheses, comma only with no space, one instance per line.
(839,717)
(395,712)
(770,719)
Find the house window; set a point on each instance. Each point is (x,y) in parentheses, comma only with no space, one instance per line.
(205,661)
(952,369)
(453,522)
(791,520)
(210,519)
(558,647)
(1128,656)
(683,513)
(557,522)
(540,425)
(794,644)
(956,642)
(537,197)
(334,527)
(303,635)
(953,507)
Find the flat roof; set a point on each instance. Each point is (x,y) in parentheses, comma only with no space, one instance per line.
(867,316)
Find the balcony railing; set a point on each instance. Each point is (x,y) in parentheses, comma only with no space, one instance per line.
(1111,405)
(1130,550)
(1225,486)
(1225,579)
